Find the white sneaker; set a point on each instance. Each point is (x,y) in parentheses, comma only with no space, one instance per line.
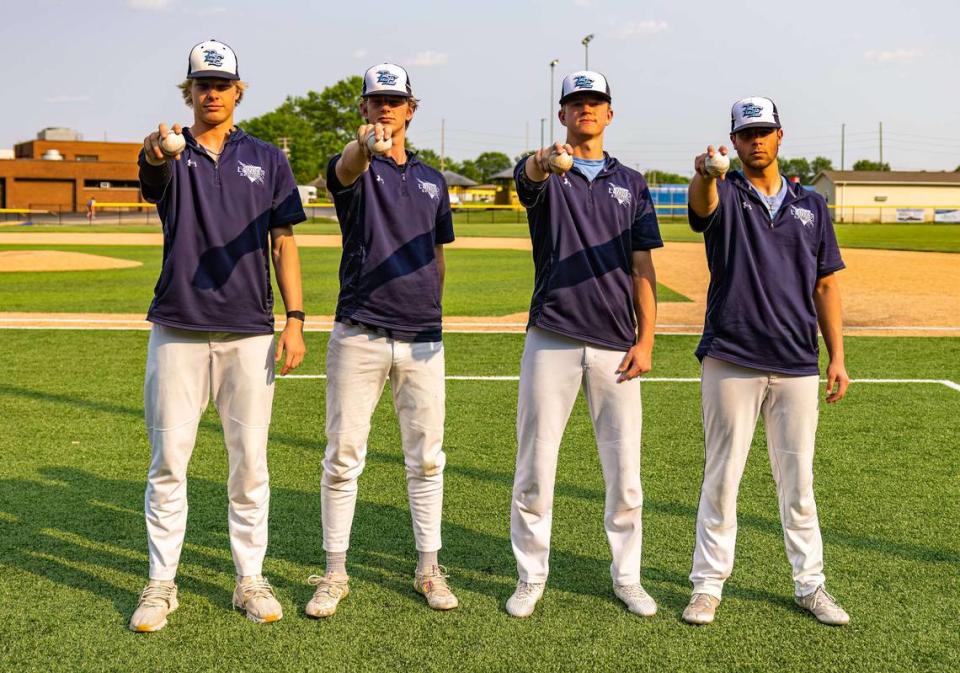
(701,609)
(433,585)
(331,589)
(824,607)
(157,600)
(254,595)
(636,599)
(524,599)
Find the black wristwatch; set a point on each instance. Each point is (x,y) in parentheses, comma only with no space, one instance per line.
(299,315)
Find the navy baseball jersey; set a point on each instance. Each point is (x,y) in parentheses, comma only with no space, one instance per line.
(216,220)
(584,233)
(763,271)
(391,218)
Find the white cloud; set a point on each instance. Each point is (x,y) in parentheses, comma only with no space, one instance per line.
(66,99)
(429,58)
(629,29)
(150,5)
(892,55)
(360,53)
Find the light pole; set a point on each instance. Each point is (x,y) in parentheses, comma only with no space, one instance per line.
(553,64)
(586,57)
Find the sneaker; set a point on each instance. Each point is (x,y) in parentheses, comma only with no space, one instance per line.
(157,600)
(331,589)
(433,585)
(701,609)
(255,596)
(524,599)
(636,599)
(824,607)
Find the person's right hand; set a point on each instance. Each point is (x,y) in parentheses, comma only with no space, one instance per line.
(151,145)
(700,163)
(380,132)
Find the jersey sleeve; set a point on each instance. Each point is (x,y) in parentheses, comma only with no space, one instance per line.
(828,254)
(701,224)
(443,231)
(333,182)
(529,192)
(153,179)
(645,230)
(287,208)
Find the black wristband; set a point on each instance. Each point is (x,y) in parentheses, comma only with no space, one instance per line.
(299,315)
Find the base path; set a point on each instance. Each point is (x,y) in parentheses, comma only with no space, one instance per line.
(885,292)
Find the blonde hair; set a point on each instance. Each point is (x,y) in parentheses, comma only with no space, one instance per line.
(186,85)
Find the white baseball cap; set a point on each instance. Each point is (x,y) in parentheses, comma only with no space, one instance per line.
(584,81)
(386,79)
(212,59)
(755,112)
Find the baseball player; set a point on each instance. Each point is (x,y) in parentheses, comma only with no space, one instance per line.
(227,202)
(394,214)
(591,325)
(772,255)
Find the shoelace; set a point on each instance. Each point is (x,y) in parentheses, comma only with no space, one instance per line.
(635,591)
(526,590)
(702,602)
(257,588)
(822,599)
(325,584)
(437,577)
(156,595)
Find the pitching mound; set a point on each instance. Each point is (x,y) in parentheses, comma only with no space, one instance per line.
(55,260)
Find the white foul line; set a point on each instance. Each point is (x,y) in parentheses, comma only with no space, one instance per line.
(653,379)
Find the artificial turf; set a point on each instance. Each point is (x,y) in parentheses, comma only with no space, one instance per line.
(73,557)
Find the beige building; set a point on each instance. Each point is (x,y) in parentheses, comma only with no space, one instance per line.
(890,196)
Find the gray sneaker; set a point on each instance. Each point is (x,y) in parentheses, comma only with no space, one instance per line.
(701,609)
(157,600)
(637,600)
(433,585)
(524,599)
(331,589)
(824,607)
(254,595)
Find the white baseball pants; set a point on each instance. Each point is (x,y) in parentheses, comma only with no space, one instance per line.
(552,372)
(183,368)
(358,364)
(733,397)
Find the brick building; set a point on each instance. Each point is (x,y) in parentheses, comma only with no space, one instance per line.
(59,172)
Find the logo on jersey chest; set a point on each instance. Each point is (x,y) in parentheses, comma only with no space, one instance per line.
(429,189)
(255,174)
(621,194)
(805,216)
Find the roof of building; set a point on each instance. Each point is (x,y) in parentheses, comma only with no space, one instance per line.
(456,180)
(505,174)
(891,177)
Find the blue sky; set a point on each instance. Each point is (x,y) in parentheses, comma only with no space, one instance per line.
(109,67)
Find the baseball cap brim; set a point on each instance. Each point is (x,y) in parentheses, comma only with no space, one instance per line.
(210,74)
(400,94)
(757,125)
(599,94)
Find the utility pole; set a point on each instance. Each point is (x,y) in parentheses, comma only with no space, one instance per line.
(843,145)
(881,146)
(542,120)
(553,64)
(285,146)
(526,138)
(586,56)
(443,130)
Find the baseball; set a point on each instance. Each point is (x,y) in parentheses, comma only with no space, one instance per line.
(173,144)
(378,146)
(717,165)
(560,162)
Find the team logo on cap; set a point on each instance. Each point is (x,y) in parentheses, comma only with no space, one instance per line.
(429,189)
(212,57)
(254,174)
(805,216)
(751,110)
(621,194)
(386,77)
(582,82)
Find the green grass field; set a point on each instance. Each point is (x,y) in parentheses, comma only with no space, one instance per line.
(478,282)
(922,237)
(72,539)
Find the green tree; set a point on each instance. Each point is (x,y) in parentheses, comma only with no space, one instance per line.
(491,163)
(798,167)
(818,165)
(284,122)
(868,165)
(655,177)
(468,169)
(429,157)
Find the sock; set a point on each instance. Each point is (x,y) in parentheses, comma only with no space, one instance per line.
(337,562)
(426,560)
